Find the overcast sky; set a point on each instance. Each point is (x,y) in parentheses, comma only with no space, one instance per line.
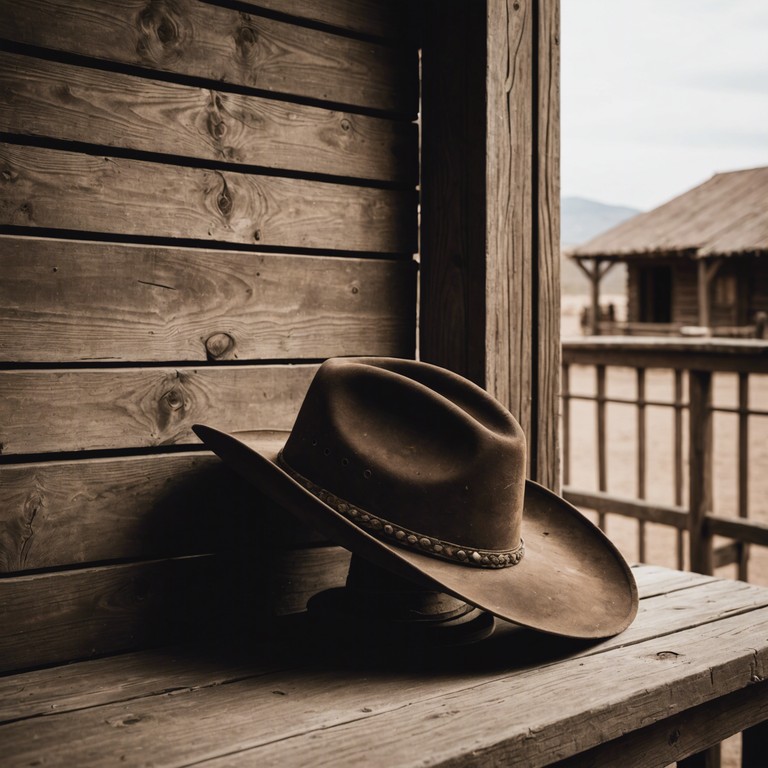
(658,95)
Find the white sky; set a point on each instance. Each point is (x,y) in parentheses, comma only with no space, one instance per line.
(657,95)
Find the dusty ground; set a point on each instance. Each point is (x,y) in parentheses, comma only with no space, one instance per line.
(622,467)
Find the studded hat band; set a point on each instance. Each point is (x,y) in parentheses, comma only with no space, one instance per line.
(383,529)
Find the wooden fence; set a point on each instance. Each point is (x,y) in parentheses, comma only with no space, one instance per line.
(693,364)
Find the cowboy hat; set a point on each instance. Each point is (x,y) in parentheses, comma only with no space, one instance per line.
(422,473)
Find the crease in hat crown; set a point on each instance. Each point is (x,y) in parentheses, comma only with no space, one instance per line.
(415,455)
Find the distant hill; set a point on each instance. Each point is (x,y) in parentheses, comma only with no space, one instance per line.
(581,220)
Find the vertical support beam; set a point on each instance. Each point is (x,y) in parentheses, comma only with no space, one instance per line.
(707,272)
(678,450)
(703,286)
(452,312)
(700,470)
(595,293)
(641,458)
(490,207)
(511,264)
(566,437)
(743,469)
(546,241)
(602,468)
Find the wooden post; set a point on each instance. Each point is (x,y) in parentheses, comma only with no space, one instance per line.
(678,449)
(489,306)
(700,470)
(641,457)
(707,272)
(743,469)
(595,274)
(602,475)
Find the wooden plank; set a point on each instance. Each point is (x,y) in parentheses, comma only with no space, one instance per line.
(194,38)
(50,99)
(470,722)
(546,244)
(55,617)
(485,725)
(640,510)
(133,507)
(478,312)
(512,277)
(452,311)
(369,17)
(124,677)
(67,512)
(50,692)
(91,409)
(134,197)
(673,739)
(70,301)
(710,354)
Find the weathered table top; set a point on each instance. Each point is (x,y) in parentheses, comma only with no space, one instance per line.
(692,669)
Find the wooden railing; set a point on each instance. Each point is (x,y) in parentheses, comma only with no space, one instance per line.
(692,365)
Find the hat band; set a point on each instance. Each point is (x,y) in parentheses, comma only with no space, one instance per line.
(383,529)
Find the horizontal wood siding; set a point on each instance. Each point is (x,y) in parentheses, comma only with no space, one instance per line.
(202,40)
(52,99)
(199,201)
(59,303)
(118,196)
(93,611)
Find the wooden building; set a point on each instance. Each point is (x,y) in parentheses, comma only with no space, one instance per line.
(199,201)
(699,260)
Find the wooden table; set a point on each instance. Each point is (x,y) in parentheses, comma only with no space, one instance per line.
(690,671)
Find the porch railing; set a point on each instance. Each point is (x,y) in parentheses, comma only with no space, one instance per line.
(693,365)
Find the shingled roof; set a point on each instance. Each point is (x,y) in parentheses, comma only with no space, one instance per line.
(725,216)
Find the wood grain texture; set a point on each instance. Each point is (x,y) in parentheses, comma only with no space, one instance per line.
(208,41)
(50,99)
(470,708)
(510,278)
(57,617)
(369,17)
(66,512)
(452,312)
(685,734)
(134,197)
(88,409)
(546,366)
(490,241)
(64,301)
(105,681)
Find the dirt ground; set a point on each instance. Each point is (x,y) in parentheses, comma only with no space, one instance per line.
(661,541)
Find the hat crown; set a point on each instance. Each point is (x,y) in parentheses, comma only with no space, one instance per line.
(416,446)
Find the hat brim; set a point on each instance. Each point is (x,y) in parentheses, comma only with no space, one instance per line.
(572,580)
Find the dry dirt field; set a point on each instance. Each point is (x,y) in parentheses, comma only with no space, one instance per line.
(622,467)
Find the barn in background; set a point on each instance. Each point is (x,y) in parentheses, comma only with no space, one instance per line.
(699,260)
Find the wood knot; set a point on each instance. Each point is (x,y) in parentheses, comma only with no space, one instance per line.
(220,346)
(246,39)
(161,30)
(224,201)
(345,124)
(173,400)
(217,127)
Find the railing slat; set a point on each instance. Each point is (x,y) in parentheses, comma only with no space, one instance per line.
(641,454)
(602,478)
(743,468)
(700,469)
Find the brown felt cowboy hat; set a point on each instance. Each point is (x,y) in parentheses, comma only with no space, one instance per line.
(421,472)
